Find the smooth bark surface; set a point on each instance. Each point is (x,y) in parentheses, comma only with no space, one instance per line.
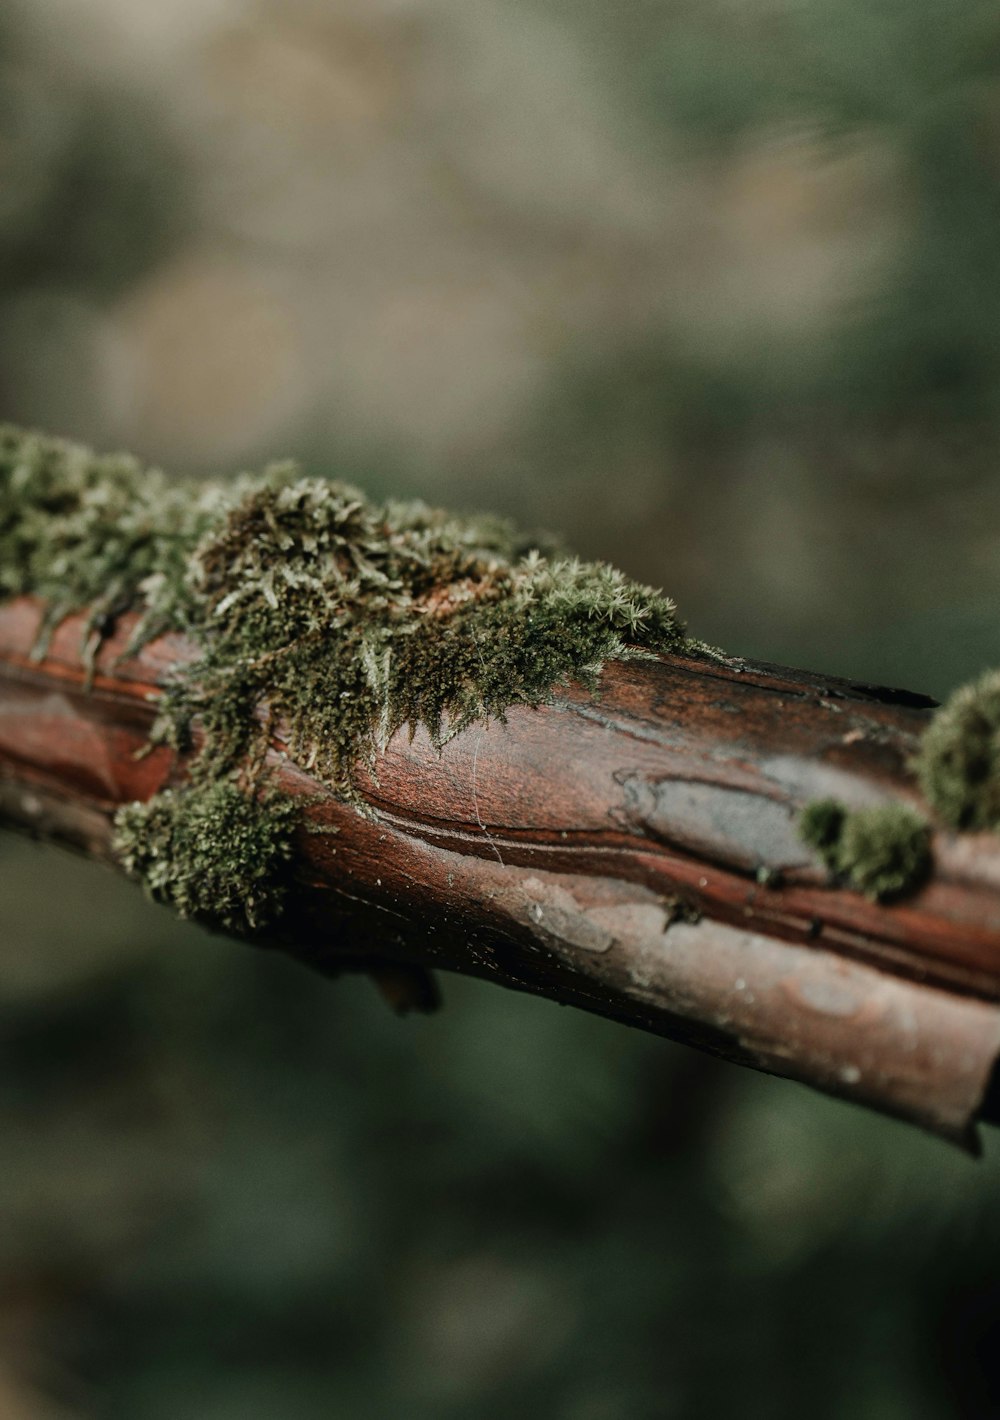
(633,852)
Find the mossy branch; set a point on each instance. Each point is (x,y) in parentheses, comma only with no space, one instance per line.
(379,737)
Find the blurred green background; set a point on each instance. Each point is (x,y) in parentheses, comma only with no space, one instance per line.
(711,288)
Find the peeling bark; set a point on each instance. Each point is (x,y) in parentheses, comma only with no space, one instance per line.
(633,852)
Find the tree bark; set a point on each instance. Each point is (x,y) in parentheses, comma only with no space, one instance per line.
(633,852)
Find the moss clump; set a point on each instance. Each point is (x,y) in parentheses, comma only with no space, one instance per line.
(885,851)
(211,851)
(342,618)
(345,618)
(882,851)
(351,619)
(958,763)
(80,530)
(820,826)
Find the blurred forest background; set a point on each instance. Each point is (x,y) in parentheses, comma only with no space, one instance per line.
(712,287)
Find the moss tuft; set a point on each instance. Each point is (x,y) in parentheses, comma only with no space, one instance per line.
(346,618)
(958,763)
(211,851)
(885,851)
(820,826)
(882,851)
(343,618)
(83,531)
(352,620)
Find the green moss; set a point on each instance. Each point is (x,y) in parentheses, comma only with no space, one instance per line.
(820,826)
(211,851)
(342,618)
(352,620)
(882,851)
(347,619)
(958,763)
(885,851)
(82,531)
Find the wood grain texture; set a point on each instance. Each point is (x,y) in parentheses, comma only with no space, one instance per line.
(633,852)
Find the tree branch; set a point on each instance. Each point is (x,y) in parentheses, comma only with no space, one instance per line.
(635,853)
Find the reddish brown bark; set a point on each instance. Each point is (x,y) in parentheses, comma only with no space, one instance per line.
(634,853)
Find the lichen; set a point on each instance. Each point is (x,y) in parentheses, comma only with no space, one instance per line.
(211,851)
(958,762)
(308,604)
(882,851)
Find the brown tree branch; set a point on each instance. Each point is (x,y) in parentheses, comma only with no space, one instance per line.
(634,853)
